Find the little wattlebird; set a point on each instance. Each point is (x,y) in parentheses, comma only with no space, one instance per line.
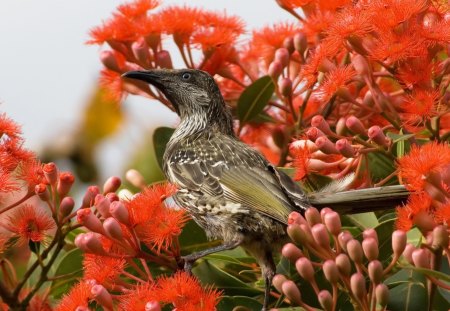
(227,187)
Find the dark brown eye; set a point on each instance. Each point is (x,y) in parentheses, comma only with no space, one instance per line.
(186,76)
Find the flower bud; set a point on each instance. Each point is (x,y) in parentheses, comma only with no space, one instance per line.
(375,269)
(355,125)
(109,60)
(376,134)
(340,127)
(66,180)
(331,271)
(319,122)
(333,223)
(326,146)
(102,205)
(102,296)
(112,229)
(163,59)
(382,295)
(141,51)
(278,281)
(345,148)
(282,55)
(86,218)
(42,192)
(291,291)
(313,133)
(66,206)
(111,197)
(82,308)
(343,264)
(320,235)
(111,184)
(424,222)
(305,269)
(370,248)
(285,86)
(296,218)
(370,233)
(300,42)
(296,234)
(355,251)
(361,65)
(344,238)
(89,196)
(93,244)
(312,216)
(358,285)
(79,242)
(135,178)
(50,173)
(398,242)
(152,306)
(119,212)
(275,69)
(325,300)
(291,252)
(421,258)
(440,237)
(323,212)
(288,44)
(407,253)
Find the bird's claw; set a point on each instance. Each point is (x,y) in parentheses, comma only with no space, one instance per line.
(185,263)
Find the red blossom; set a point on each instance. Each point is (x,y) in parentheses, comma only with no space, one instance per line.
(104,270)
(78,296)
(137,8)
(9,128)
(417,204)
(139,296)
(112,82)
(180,21)
(420,106)
(32,173)
(335,80)
(301,156)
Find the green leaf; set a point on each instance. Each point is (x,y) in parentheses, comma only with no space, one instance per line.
(380,166)
(399,137)
(384,232)
(410,294)
(70,265)
(254,98)
(363,220)
(429,272)
(161,137)
(193,238)
(228,303)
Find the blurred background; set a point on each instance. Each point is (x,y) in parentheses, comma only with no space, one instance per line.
(48,84)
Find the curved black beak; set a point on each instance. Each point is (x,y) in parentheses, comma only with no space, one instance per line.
(146,76)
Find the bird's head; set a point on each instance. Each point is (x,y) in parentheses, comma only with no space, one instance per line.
(193,93)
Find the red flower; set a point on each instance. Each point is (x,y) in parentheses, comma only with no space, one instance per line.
(417,203)
(12,153)
(6,182)
(77,297)
(29,223)
(118,28)
(301,156)
(112,82)
(9,128)
(442,214)
(420,106)
(186,294)
(104,270)
(180,22)
(137,8)
(335,80)
(139,296)
(32,173)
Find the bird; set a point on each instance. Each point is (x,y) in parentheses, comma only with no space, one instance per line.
(228,188)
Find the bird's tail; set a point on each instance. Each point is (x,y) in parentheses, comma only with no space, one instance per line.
(362,200)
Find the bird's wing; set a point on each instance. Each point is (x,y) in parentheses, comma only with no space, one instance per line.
(226,167)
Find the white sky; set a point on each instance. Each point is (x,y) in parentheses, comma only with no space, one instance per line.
(47,72)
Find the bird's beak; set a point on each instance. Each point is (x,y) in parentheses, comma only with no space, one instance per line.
(146,76)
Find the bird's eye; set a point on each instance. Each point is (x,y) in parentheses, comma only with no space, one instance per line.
(186,76)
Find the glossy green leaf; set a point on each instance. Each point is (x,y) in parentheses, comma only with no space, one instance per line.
(160,138)
(193,238)
(380,166)
(71,266)
(254,98)
(399,137)
(410,292)
(384,232)
(228,303)
(363,220)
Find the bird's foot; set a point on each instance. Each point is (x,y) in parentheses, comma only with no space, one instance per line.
(186,263)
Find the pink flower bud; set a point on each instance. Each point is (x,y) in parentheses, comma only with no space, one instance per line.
(333,223)
(325,211)
(325,300)
(326,146)
(282,55)
(370,233)
(135,178)
(42,192)
(370,248)
(319,122)
(66,206)
(344,238)
(275,69)
(291,252)
(102,296)
(424,222)
(355,125)
(93,244)
(407,253)
(358,285)
(340,127)
(163,59)
(398,242)
(355,251)
(343,264)
(288,44)
(313,133)
(382,294)
(86,218)
(65,182)
(79,242)
(320,235)
(82,308)
(305,269)
(112,229)
(440,237)
(361,65)
(89,196)
(312,216)
(421,258)
(300,43)
(119,212)
(331,271)
(111,184)
(285,86)
(112,197)
(141,51)
(152,306)
(278,281)
(102,205)
(51,173)
(296,218)
(108,59)
(345,148)
(375,269)
(296,234)
(376,134)
(291,291)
